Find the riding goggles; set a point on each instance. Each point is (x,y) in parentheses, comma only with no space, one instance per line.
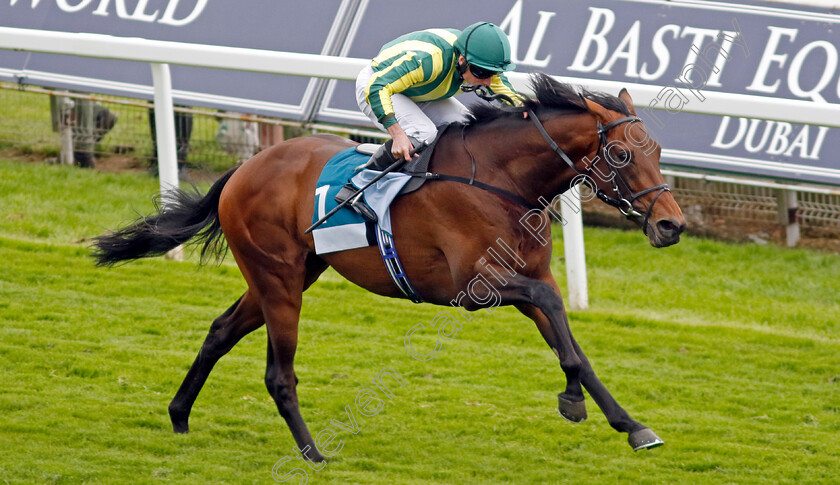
(481,73)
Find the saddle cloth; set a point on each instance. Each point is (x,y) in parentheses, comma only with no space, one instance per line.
(346,229)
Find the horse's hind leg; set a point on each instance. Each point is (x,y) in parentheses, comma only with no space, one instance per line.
(242,318)
(281,382)
(283,290)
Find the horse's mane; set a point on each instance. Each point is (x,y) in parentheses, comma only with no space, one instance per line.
(549,94)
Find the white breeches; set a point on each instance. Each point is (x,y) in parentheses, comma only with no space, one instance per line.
(418,120)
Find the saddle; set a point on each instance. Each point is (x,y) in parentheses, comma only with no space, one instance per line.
(381,159)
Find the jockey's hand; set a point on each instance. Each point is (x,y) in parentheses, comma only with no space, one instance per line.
(402,145)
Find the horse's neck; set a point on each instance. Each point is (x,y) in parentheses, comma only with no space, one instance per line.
(514,153)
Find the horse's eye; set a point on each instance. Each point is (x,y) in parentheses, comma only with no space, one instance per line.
(622,158)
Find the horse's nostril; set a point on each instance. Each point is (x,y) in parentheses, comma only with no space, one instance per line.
(669,228)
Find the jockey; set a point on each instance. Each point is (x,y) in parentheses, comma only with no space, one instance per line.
(408,88)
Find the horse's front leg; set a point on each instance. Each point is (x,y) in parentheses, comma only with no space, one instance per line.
(543,304)
(539,301)
(570,405)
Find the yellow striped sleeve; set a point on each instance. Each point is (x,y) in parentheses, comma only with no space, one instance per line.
(500,85)
(397,77)
(411,46)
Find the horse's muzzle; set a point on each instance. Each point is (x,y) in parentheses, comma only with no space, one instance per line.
(665,232)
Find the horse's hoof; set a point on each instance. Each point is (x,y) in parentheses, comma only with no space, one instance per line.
(574,411)
(315,456)
(180,420)
(644,439)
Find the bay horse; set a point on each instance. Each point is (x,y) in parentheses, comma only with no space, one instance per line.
(526,154)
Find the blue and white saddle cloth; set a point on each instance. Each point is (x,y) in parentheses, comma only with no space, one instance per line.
(346,229)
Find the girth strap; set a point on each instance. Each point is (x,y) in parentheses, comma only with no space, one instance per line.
(393,265)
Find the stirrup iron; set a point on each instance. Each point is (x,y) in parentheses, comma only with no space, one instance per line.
(349,191)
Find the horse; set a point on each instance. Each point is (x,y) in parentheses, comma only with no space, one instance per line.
(510,159)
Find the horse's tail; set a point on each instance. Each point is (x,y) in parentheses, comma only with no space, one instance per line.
(183,216)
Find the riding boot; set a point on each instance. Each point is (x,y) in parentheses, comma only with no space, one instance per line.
(357,203)
(380,160)
(383,158)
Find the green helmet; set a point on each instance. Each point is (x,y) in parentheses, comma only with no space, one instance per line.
(485,45)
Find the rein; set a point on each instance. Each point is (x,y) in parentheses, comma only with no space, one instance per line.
(481,185)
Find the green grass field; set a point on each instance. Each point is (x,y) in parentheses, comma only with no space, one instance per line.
(729,352)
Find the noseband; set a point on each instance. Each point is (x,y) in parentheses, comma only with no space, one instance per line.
(620,202)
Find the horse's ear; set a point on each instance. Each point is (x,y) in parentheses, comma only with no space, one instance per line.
(596,109)
(625,96)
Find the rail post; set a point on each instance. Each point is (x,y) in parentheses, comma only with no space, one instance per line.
(788,211)
(167,153)
(573,246)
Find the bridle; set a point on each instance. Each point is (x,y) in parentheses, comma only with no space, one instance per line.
(624,205)
(620,201)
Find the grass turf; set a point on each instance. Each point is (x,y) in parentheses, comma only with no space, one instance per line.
(729,352)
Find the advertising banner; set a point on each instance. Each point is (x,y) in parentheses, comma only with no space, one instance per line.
(687,47)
